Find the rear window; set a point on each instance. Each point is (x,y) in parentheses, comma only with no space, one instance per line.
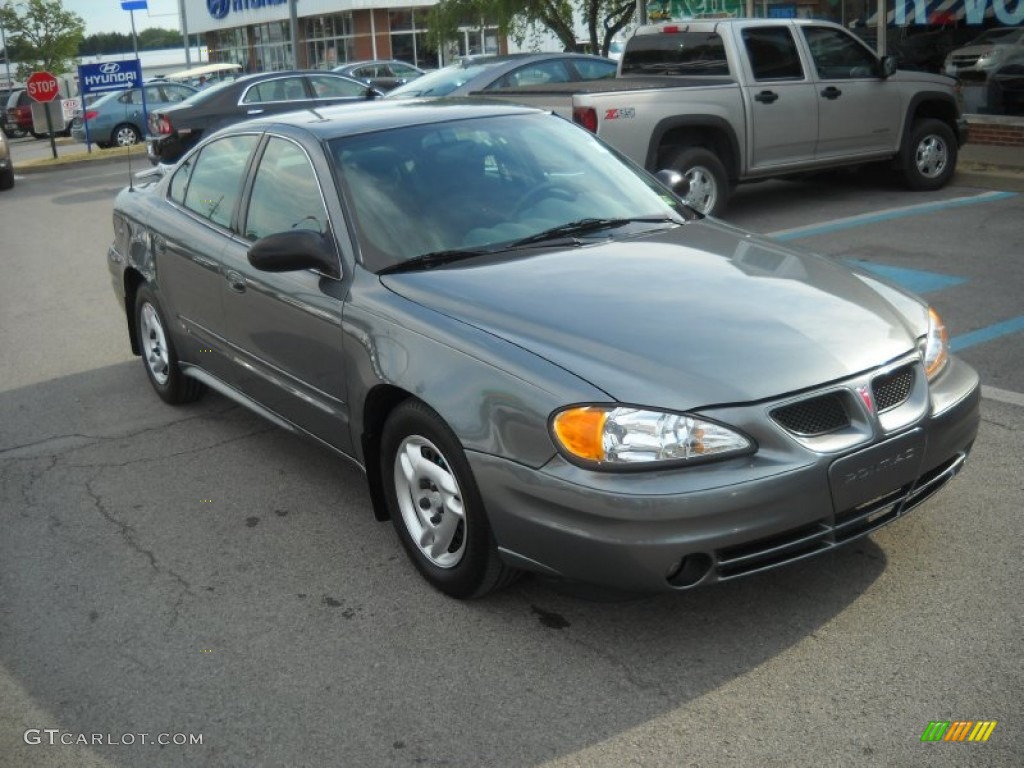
(675,53)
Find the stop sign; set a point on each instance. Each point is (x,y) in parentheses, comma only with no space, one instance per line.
(42,86)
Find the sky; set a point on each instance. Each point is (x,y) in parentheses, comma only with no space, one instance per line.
(107,16)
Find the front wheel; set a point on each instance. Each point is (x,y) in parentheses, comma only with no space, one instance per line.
(708,181)
(435,505)
(929,156)
(158,355)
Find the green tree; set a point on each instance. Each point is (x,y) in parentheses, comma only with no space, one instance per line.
(42,35)
(603,19)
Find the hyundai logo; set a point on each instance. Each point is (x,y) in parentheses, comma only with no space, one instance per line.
(110,68)
(218,8)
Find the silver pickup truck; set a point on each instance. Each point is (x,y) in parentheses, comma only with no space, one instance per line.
(729,101)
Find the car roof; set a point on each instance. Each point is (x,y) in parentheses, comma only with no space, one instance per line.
(381,115)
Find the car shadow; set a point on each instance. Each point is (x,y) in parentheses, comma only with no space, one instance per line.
(199,571)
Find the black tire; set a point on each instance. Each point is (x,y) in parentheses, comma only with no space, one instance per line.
(124,135)
(158,355)
(428,485)
(709,183)
(7,179)
(38,136)
(929,156)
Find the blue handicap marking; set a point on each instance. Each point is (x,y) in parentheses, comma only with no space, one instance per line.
(915,280)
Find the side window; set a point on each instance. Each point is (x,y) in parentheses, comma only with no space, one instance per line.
(285,194)
(280,89)
(838,55)
(772,52)
(152,94)
(588,69)
(402,70)
(175,94)
(534,74)
(216,181)
(327,87)
(179,182)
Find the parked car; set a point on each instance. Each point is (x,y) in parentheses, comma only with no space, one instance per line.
(482,73)
(175,129)
(926,51)
(6,164)
(540,357)
(382,75)
(1006,90)
(19,115)
(115,119)
(12,130)
(984,54)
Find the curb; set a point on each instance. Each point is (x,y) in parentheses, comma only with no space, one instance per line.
(101,157)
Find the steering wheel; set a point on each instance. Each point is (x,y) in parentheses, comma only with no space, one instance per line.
(559,189)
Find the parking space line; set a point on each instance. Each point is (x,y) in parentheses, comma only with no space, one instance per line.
(1002,395)
(988,333)
(851,222)
(916,280)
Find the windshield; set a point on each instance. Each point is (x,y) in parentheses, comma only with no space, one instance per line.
(440,82)
(485,183)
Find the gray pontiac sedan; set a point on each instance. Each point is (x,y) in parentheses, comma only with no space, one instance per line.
(539,356)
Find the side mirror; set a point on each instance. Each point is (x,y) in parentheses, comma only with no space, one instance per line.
(887,67)
(294,250)
(675,181)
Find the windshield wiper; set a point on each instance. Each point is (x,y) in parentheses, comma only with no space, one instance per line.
(585,226)
(432,259)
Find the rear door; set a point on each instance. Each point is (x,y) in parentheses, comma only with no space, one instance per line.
(859,112)
(780,99)
(189,241)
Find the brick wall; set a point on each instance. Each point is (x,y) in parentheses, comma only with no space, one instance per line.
(1002,134)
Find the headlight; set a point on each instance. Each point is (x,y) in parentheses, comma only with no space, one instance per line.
(935,345)
(619,438)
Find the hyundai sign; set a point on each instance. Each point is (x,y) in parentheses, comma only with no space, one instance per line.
(109,76)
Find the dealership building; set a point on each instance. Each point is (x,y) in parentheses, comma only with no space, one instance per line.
(257,33)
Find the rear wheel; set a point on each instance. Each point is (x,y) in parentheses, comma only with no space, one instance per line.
(435,505)
(124,135)
(709,184)
(929,156)
(7,179)
(158,355)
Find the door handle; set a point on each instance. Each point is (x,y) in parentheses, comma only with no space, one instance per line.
(236,281)
(766,97)
(831,93)
(254,112)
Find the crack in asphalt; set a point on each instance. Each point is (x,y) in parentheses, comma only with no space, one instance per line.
(128,534)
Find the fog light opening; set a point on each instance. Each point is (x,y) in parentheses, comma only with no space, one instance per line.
(689,570)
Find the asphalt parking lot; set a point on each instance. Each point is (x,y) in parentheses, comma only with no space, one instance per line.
(197,571)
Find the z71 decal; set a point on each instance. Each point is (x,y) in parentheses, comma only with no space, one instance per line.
(623,113)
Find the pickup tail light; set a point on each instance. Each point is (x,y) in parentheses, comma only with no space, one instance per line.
(585,116)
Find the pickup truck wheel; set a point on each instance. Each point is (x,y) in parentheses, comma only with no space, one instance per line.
(929,155)
(709,185)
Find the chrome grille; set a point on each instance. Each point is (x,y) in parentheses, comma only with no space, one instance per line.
(816,416)
(892,389)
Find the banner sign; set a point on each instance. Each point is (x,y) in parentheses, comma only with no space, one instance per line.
(109,76)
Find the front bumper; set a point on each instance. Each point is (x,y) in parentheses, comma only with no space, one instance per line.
(671,530)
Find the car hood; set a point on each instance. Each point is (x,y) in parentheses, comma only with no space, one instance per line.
(694,316)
